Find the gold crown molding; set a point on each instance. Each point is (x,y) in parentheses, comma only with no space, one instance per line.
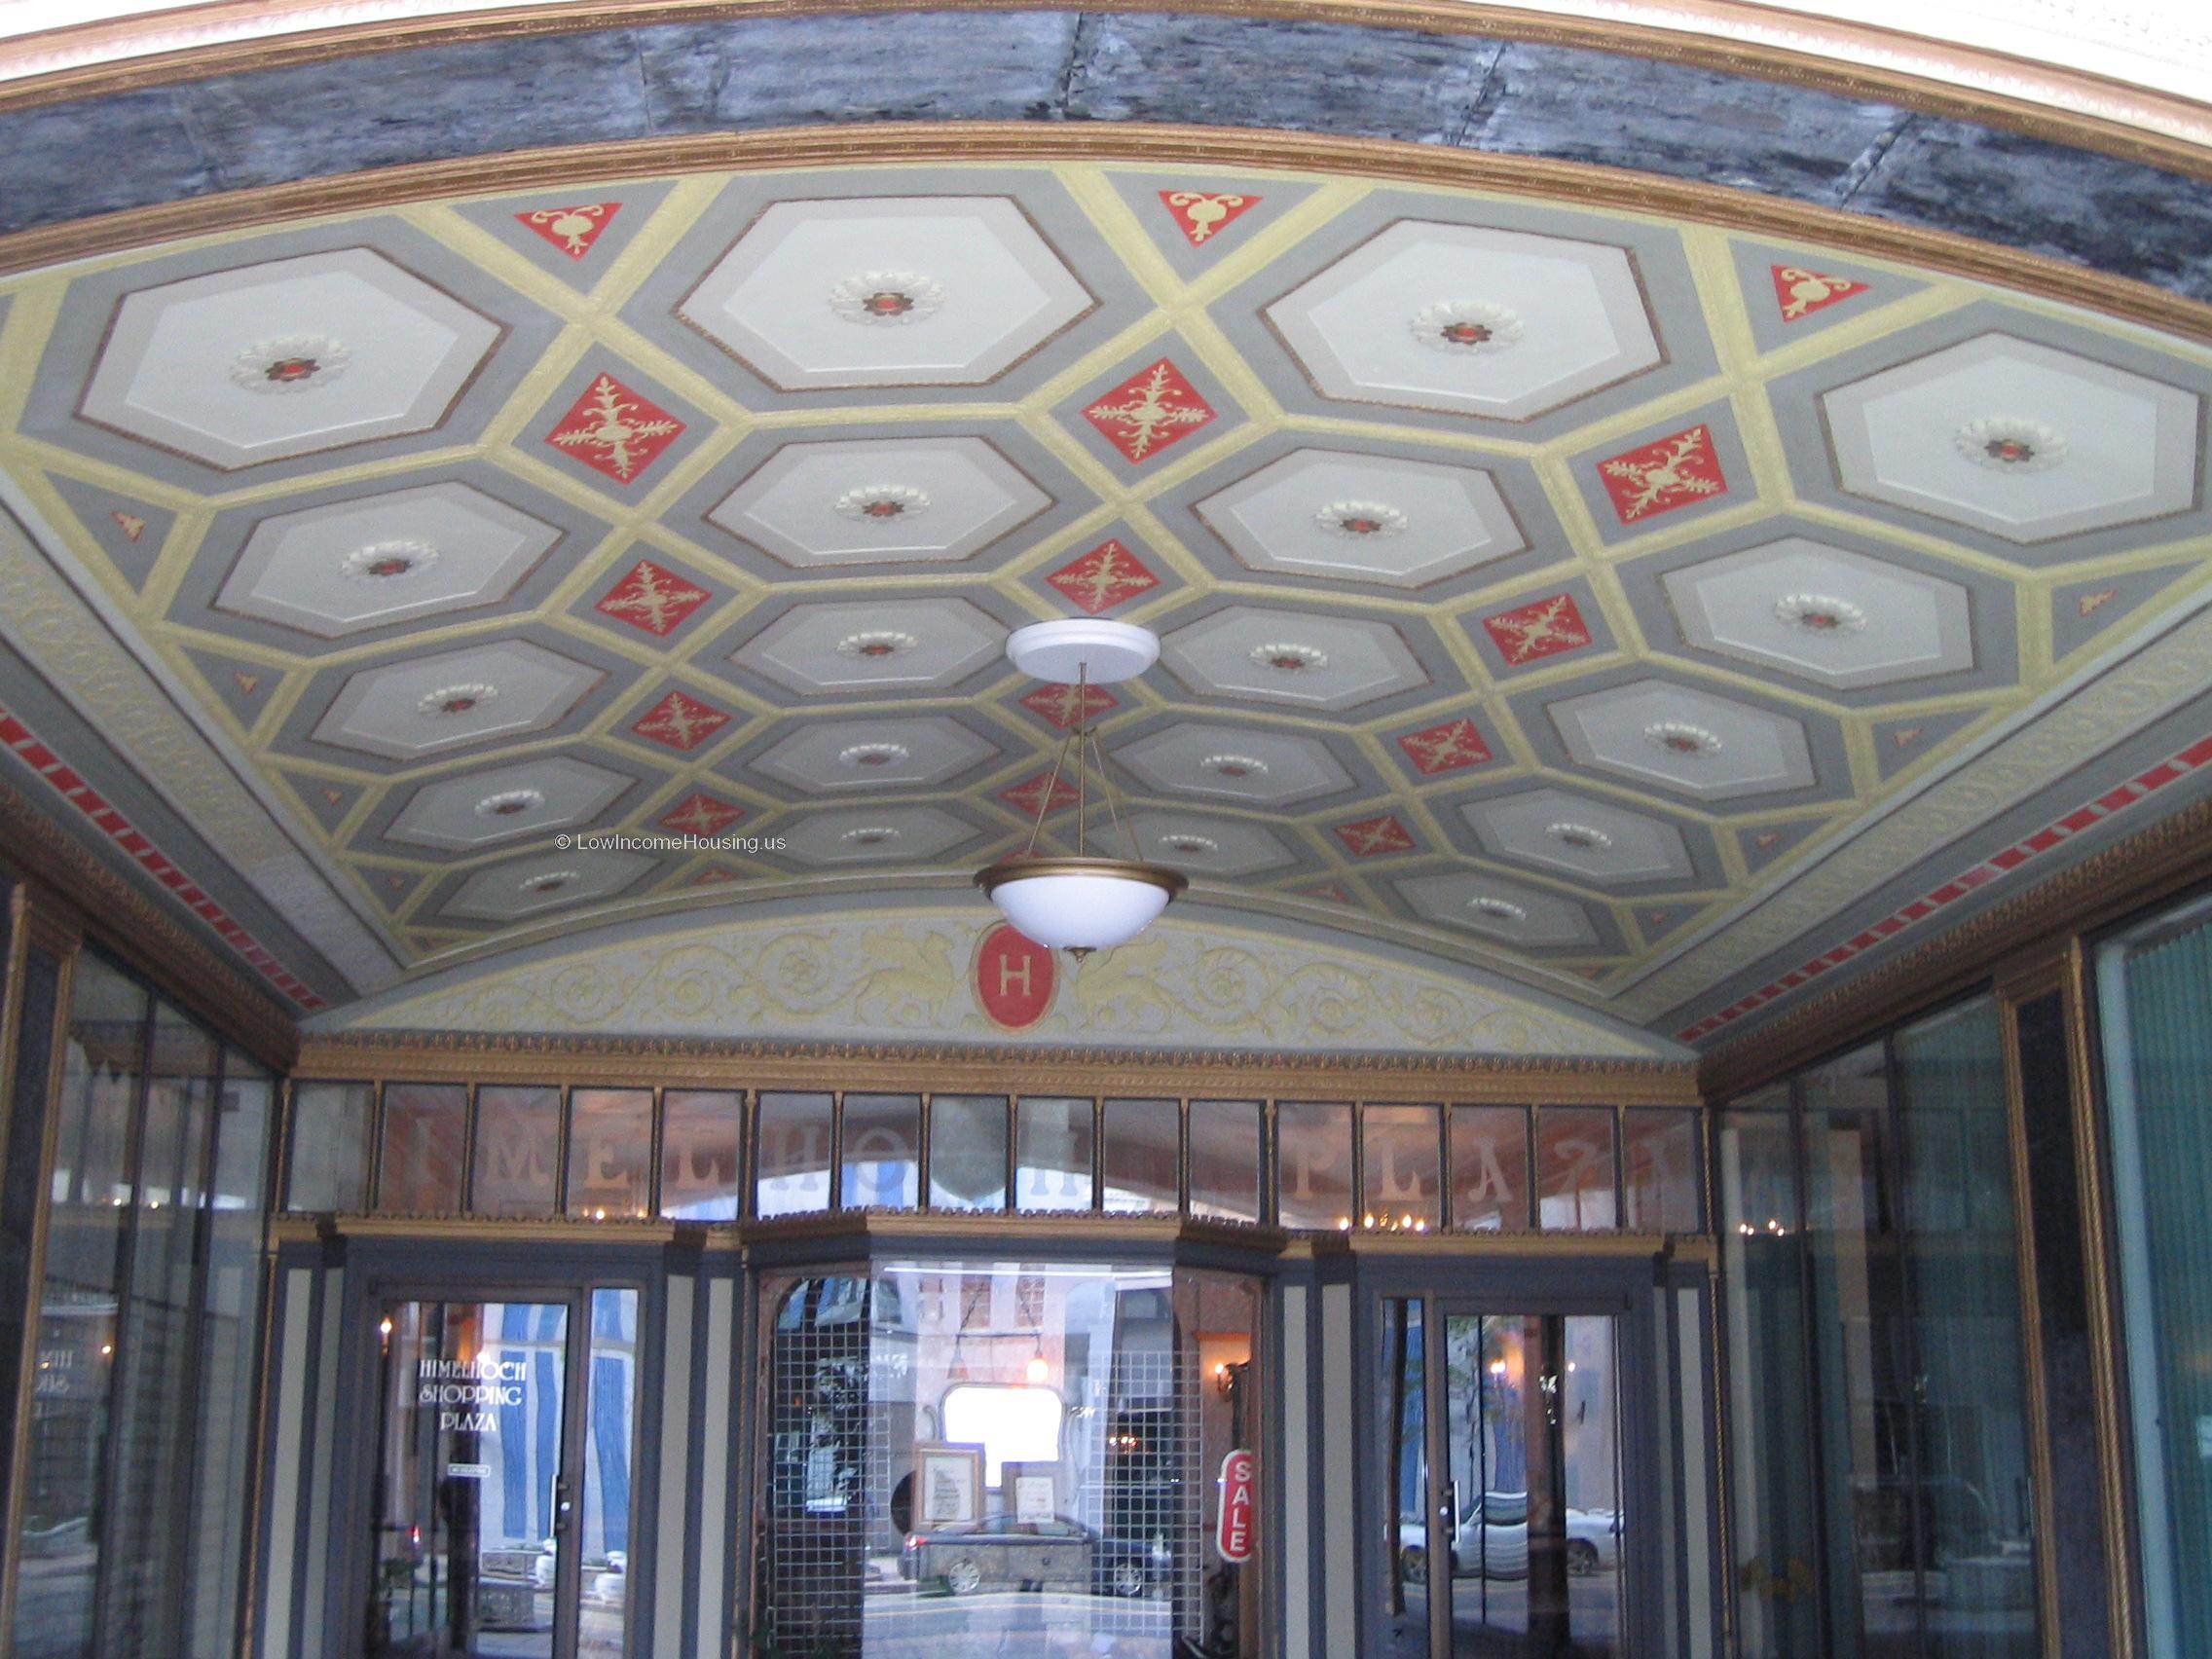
(119,921)
(2130,875)
(1576,183)
(918,1067)
(2136,140)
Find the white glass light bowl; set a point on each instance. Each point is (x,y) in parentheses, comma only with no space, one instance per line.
(1066,903)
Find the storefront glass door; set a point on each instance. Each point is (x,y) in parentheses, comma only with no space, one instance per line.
(1507,1526)
(499,1504)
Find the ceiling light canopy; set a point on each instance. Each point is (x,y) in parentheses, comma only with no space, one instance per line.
(1080,903)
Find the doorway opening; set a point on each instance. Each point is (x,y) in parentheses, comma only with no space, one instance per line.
(1521,1496)
(500,1504)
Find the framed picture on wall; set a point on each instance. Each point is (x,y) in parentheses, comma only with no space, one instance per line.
(949,1484)
(1032,1490)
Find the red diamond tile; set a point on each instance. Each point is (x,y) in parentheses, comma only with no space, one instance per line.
(1328,890)
(613,430)
(1444,748)
(1103,577)
(1199,213)
(680,722)
(1671,472)
(1800,292)
(650,598)
(1025,797)
(1372,838)
(713,877)
(700,814)
(1152,410)
(1063,707)
(1543,629)
(572,230)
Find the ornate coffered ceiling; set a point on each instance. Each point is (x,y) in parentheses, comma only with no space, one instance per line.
(1629,612)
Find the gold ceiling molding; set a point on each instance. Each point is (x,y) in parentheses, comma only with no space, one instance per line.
(119,922)
(887,144)
(677,1062)
(2170,857)
(1726,35)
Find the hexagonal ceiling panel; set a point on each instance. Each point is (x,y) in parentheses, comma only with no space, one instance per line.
(1689,742)
(1595,842)
(506,803)
(1236,763)
(871,503)
(1470,320)
(1301,658)
(845,756)
(411,710)
(285,358)
(523,887)
(2026,442)
(892,835)
(1427,680)
(344,569)
(867,649)
(1823,614)
(886,292)
(1402,523)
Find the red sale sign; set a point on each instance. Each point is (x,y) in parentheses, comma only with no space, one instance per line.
(1239,1494)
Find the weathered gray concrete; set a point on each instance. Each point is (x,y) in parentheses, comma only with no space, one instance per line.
(1469,91)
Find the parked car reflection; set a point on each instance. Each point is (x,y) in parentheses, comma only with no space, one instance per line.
(1492,1540)
(1001,1552)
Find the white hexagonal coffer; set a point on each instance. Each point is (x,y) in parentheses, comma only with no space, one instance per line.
(289,357)
(350,566)
(886,291)
(880,502)
(2018,439)
(1368,518)
(1470,320)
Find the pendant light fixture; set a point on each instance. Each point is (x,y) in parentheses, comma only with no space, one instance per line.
(1084,901)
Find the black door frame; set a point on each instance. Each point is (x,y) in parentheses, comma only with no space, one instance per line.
(428,1269)
(1624,1287)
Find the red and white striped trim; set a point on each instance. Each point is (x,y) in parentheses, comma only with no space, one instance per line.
(2139,787)
(21,741)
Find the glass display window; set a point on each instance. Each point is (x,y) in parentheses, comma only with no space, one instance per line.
(1057,1455)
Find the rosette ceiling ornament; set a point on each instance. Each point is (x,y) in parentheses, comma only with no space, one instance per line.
(1084,902)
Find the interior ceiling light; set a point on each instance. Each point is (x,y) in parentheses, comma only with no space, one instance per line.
(1081,902)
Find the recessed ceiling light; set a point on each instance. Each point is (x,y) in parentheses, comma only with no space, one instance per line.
(1818,613)
(881,503)
(1359,519)
(1288,658)
(877,643)
(886,298)
(1677,737)
(2007,443)
(1465,326)
(1192,846)
(510,803)
(874,755)
(389,561)
(870,835)
(547,881)
(294,363)
(1233,767)
(1497,909)
(450,701)
(1579,835)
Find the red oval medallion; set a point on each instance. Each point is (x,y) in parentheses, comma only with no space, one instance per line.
(1014,978)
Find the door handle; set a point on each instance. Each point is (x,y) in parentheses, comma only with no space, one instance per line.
(562,1507)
